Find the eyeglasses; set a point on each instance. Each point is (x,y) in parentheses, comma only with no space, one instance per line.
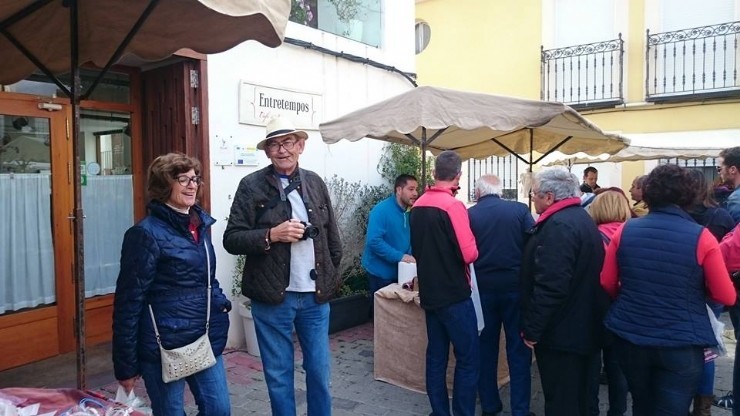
(719,168)
(185,180)
(285,144)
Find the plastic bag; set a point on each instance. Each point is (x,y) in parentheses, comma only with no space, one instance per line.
(131,400)
(718,328)
(475,296)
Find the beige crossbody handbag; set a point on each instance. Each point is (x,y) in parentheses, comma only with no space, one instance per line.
(181,362)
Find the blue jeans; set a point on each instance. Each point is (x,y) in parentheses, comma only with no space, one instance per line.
(274,326)
(209,388)
(503,308)
(455,323)
(662,380)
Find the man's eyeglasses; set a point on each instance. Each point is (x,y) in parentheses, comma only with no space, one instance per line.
(286,144)
(719,168)
(185,180)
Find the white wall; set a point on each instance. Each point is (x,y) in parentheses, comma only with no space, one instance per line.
(344,86)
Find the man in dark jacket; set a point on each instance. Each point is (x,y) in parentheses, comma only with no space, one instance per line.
(499,227)
(283,221)
(444,246)
(560,281)
(590,177)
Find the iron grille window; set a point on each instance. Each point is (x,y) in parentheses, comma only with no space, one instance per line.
(707,166)
(700,60)
(585,75)
(506,168)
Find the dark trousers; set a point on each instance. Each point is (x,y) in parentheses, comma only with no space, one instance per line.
(564,377)
(617,383)
(662,380)
(503,309)
(735,318)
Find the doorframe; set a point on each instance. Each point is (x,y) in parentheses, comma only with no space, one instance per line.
(57,321)
(54,324)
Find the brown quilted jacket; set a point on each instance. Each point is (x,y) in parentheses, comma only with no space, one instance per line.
(267,272)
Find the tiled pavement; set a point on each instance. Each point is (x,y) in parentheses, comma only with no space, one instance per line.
(354,390)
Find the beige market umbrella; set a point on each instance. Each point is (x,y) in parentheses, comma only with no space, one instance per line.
(475,125)
(635,153)
(58,36)
(158,28)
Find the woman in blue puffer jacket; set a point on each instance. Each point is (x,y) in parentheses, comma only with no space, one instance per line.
(166,260)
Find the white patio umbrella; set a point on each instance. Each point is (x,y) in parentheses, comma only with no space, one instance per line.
(58,36)
(475,125)
(635,153)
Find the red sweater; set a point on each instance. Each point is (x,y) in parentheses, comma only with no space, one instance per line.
(708,255)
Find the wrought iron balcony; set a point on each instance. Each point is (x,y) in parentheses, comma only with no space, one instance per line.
(700,61)
(584,76)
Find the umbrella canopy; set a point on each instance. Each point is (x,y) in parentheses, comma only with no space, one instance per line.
(635,153)
(206,26)
(58,36)
(475,125)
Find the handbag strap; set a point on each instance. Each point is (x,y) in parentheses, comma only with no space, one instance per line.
(208,308)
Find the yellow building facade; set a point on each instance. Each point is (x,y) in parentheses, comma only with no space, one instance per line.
(682,87)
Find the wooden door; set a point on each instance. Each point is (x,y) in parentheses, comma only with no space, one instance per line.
(36,258)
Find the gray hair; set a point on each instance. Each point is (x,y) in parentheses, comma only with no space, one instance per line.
(559,181)
(447,166)
(488,185)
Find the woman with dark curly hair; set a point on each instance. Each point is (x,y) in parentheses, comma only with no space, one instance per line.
(660,269)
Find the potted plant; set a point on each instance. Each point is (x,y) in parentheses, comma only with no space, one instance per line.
(352,202)
(244,307)
(302,12)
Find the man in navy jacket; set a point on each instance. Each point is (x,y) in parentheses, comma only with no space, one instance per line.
(499,227)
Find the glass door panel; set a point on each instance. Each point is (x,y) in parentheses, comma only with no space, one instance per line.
(27,277)
(107,195)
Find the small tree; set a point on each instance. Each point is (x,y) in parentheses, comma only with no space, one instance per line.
(398,159)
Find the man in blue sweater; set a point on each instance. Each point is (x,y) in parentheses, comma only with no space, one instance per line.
(499,227)
(388,234)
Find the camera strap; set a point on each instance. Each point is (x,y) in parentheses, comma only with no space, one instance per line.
(272,203)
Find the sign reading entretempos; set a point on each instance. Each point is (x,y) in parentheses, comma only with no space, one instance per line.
(258,104)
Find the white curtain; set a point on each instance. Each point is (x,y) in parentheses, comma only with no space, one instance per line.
(108,204)
(26,244)
(26,251)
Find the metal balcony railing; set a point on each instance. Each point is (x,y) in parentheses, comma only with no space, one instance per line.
(697,61)
(506,168)
(584,76)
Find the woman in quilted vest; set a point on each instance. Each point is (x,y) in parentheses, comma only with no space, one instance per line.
(167,267)
(660,269)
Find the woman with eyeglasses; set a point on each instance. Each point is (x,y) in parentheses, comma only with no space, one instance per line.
(168,269)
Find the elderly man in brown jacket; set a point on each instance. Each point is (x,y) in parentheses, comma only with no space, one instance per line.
(283,221)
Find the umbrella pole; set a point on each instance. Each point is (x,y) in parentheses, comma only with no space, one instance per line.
(529,165)
(78,216)
(423,158)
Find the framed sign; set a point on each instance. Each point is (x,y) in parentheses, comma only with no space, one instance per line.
(258,104)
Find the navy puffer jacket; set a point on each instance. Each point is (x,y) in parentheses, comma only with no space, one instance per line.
(163,265)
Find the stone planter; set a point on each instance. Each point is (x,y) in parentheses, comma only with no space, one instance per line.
(245,311)
(349,311)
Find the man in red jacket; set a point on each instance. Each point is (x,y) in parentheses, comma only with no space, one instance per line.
(444,246)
